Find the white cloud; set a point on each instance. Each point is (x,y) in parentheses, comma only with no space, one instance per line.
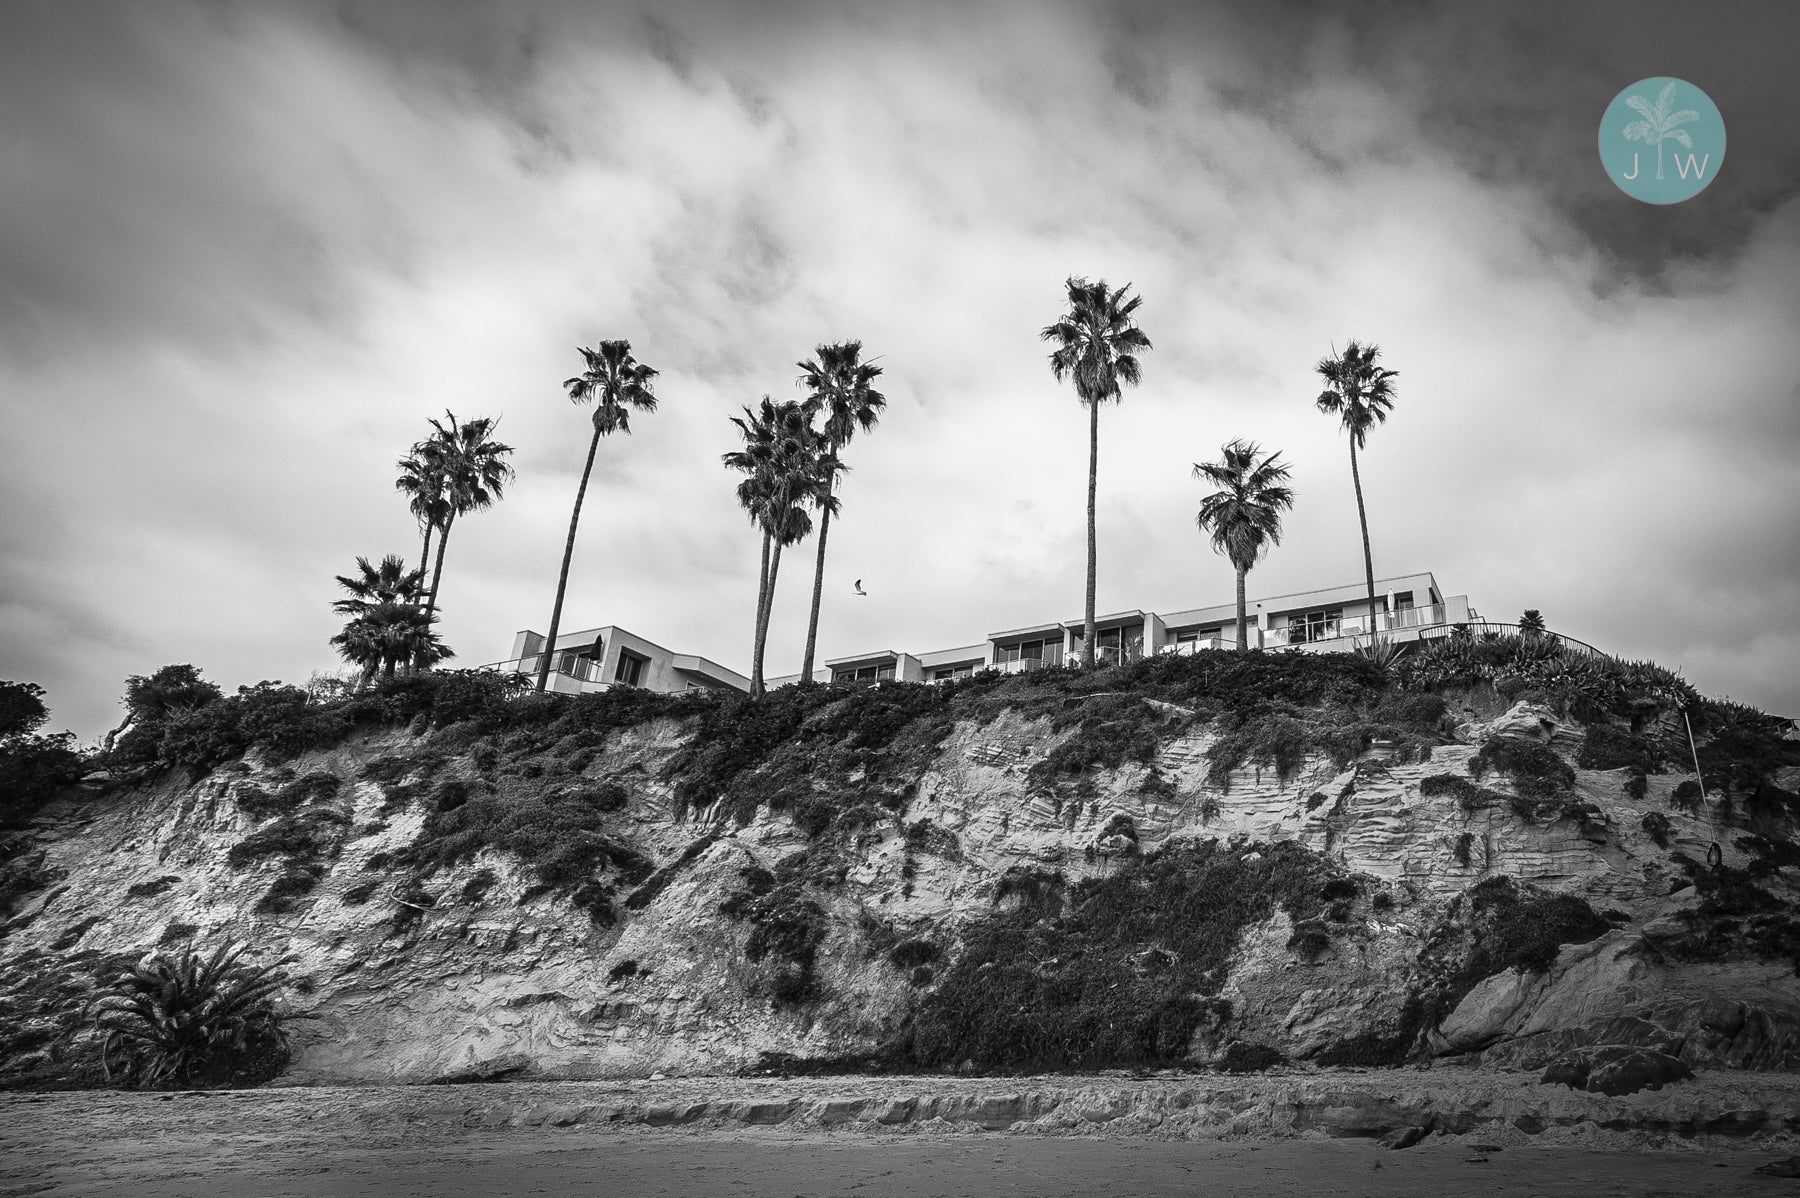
(245,259)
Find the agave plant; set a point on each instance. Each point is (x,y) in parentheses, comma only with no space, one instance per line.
(167,1020)
(1381,650)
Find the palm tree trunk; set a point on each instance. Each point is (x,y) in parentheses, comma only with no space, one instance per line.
(437,572)
(812,625)
(424,556)
(1243,619)
(1087,622)
(562,579)
(762,634)
(762,604)
(1362,517)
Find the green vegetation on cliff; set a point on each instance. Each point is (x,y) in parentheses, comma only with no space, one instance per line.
(1121,970)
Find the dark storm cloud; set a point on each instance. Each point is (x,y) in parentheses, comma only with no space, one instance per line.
(1514,91)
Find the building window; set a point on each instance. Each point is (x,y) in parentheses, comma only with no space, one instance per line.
(864,674)
(1029,651)
(630,671)
(1314,625)
(1119,644)
(1403,600)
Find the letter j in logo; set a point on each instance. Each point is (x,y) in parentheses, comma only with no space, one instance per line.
(1662,140)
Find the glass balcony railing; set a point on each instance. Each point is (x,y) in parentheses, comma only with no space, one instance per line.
(1354,626)
(1024,665)
(1184,648)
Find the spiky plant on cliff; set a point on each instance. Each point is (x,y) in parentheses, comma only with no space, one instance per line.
(171,1020)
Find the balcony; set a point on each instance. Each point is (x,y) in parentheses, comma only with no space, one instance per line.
(1355,626)
(570,673)
(1114,655)
(1187,648)
(1025,665)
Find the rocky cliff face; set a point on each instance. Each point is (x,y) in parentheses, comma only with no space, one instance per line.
(700,932)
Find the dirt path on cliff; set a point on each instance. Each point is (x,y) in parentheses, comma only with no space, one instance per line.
(452,1142)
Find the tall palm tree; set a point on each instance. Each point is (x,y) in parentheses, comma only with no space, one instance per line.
(1097,345)
(839,386)
(784,470)
(474,471)
(422,482)
(616,382)
(1243,517)
(1360,393)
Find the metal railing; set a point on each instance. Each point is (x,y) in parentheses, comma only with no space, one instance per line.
(1481,628)
(584,670)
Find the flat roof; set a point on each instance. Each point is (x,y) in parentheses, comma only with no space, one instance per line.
(1118,617)
(1028,630)
(1219,614)
(1206,615)
(944,657)
(865,659)
(689,663)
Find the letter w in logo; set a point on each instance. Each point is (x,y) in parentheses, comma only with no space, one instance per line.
(1682,167)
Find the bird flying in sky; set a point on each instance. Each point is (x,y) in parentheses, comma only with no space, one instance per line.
(859,589)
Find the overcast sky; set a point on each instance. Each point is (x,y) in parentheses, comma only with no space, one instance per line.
(246,251)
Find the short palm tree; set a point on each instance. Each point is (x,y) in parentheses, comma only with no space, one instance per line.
(617,383)
(474,473)
(167,1019)
(1360,393)
(1097,345)
(840,387)
(1532,622)
(390,582)
(1243,517)
(389,635)
(785,470)
(389,587)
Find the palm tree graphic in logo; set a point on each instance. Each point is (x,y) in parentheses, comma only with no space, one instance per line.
(1659,123)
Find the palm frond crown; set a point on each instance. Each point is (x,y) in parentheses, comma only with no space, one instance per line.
(1358,390)
(616,383)
(840,387)
(1243,517)
(1097,344)
(473,465)
(389,582)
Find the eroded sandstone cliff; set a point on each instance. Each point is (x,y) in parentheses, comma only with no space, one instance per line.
(1079,873)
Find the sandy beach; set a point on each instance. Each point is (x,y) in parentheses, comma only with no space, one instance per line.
(314,1143)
